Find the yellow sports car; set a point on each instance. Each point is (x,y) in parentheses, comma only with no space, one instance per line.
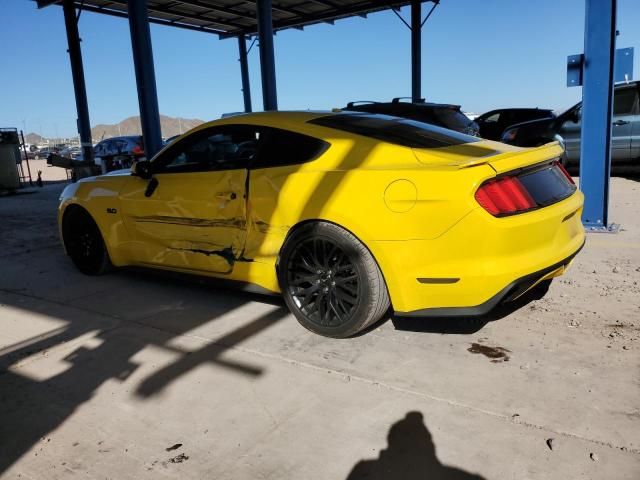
(346,214)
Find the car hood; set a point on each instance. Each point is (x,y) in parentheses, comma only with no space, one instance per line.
(117,173)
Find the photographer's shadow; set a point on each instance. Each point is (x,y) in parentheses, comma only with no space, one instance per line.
(410,455)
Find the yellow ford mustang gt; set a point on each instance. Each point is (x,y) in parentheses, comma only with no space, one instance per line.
(346,214)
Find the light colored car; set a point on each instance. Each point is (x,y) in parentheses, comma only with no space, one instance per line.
(625,132)
(566,129)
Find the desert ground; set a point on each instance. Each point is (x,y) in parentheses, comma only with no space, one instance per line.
(139,375)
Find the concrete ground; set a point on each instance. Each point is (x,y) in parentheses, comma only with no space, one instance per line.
(139,375)
(48,173)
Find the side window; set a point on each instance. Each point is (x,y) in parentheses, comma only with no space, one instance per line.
(282,147)
(493,118)
(218,148)
(103,148)
(624,101)
(511,117)
(119,147)
(110,148)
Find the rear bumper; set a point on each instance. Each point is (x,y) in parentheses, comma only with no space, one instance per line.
(509,293)
(479,257)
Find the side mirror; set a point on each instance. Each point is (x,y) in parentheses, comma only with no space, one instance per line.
(575,116)
(142,169)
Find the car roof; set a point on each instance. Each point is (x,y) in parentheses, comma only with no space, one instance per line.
(281,117)
(521,108)
(396,102)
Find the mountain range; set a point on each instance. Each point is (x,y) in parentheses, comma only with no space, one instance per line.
(170,126)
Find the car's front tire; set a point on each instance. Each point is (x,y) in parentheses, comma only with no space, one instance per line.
(84,242)
(330,280)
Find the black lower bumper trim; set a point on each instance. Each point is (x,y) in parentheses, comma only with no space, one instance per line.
(507,294)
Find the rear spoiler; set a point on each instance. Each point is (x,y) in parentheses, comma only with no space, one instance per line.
(499,156)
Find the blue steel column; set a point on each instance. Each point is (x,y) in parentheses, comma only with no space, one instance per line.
(244,73)
(267,59)
(597,101)
(416,49)
(77,72)
(145,76)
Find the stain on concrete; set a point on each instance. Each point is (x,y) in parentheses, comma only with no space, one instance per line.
(496,354)
(178,458)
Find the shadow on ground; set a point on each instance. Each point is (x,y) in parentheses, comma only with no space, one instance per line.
(30,409)
(410,455)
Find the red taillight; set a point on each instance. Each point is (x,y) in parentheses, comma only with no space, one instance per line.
(137,150)
(504,196)
(564,170)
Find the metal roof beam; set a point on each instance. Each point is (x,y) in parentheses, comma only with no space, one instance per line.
(340,13)
(157,21)
(46,3)
(216,7)
(283,9)
(200,17)
(325,3)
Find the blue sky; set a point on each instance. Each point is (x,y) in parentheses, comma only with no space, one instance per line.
(479,54)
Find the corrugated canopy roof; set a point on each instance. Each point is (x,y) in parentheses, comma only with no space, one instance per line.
(235,17)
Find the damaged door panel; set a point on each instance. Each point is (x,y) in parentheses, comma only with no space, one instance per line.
(282,153)
(196,218)
(186,223)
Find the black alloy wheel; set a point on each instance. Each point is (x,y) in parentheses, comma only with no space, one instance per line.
(323,282)
(330,281)
(84,243)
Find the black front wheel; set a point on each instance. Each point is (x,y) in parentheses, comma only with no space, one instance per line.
(84,243)
(330,281)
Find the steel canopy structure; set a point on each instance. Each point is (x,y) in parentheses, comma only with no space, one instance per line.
(231,18)
(225,18)
(243,18)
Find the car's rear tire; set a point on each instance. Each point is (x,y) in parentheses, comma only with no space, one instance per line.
(330,281)
(84,242)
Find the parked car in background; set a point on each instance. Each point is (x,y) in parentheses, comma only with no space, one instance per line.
(28,152)
(43,153)
(494,122)
(74,153)
(439,114)
(118,152)
(169,140)
(566,128)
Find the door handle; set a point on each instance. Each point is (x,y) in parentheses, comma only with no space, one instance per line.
(617,123)
(226,196)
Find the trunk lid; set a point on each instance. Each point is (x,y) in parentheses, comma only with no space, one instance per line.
(501,157)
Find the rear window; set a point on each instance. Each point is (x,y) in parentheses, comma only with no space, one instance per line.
(452,118)
(282,147)
(547,185)
(399,131)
